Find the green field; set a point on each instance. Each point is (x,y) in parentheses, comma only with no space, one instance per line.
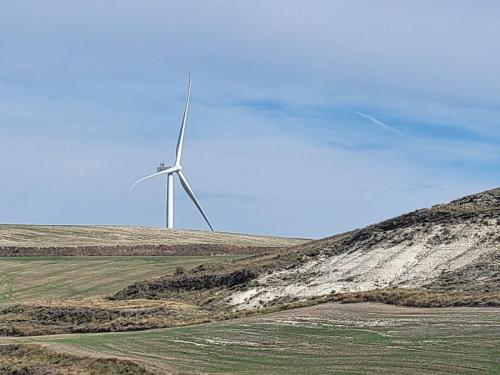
(25,279)
(332,338)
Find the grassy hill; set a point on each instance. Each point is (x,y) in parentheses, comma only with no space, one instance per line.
(444,249)
(324,339)
(43,240)
(443,256)
(30,279)
(447,255)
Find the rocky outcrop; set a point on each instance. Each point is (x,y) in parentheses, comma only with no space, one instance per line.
(163,287)
(453,246)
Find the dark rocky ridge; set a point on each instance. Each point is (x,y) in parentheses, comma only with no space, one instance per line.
(137,250)
(167,285)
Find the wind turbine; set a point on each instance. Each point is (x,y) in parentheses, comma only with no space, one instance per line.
(177,169)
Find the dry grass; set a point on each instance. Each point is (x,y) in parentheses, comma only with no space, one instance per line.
(195,306)
(421,297)
(323,339)
(29,279)
(97,315)
(79,235)
(37,360)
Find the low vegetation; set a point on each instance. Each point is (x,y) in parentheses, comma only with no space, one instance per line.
(421,297)
(96,315)
(322,339)
(272,312)
(178,284)
(182,308)
(448,253)
(37,360)
(35,279)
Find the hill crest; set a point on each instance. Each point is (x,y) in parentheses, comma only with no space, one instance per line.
(411,250)
(67,240)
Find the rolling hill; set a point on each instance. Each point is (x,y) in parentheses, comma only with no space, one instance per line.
(68,240)
(324,339)
(32,279)
(446,255)
(440,251)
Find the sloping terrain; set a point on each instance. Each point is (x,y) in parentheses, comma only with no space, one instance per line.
(430,246)
(449,247)
(323,339)
(447,255)
(37,360)
(47,295)
(97,315)
(37,279)
(67,240)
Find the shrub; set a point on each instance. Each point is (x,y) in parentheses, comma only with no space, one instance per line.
(179,270)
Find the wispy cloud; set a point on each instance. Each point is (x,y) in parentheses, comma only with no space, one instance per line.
(378,122)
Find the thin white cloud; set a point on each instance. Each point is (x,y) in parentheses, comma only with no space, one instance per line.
(378,122)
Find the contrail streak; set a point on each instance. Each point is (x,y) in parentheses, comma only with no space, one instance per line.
(378,122)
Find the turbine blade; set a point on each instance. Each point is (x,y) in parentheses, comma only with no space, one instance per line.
(189,191)
(169,170)
(180,141)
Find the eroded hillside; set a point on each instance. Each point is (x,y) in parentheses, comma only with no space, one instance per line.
(448,255)
(453,246)
(435,246)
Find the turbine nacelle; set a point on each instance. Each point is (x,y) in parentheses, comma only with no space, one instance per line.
(172,169)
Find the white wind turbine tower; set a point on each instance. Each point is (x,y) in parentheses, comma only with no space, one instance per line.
(177,169)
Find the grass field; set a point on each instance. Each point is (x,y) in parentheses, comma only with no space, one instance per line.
(330,338)
(17,235)
(26,279)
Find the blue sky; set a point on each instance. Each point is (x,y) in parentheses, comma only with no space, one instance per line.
(307,118)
